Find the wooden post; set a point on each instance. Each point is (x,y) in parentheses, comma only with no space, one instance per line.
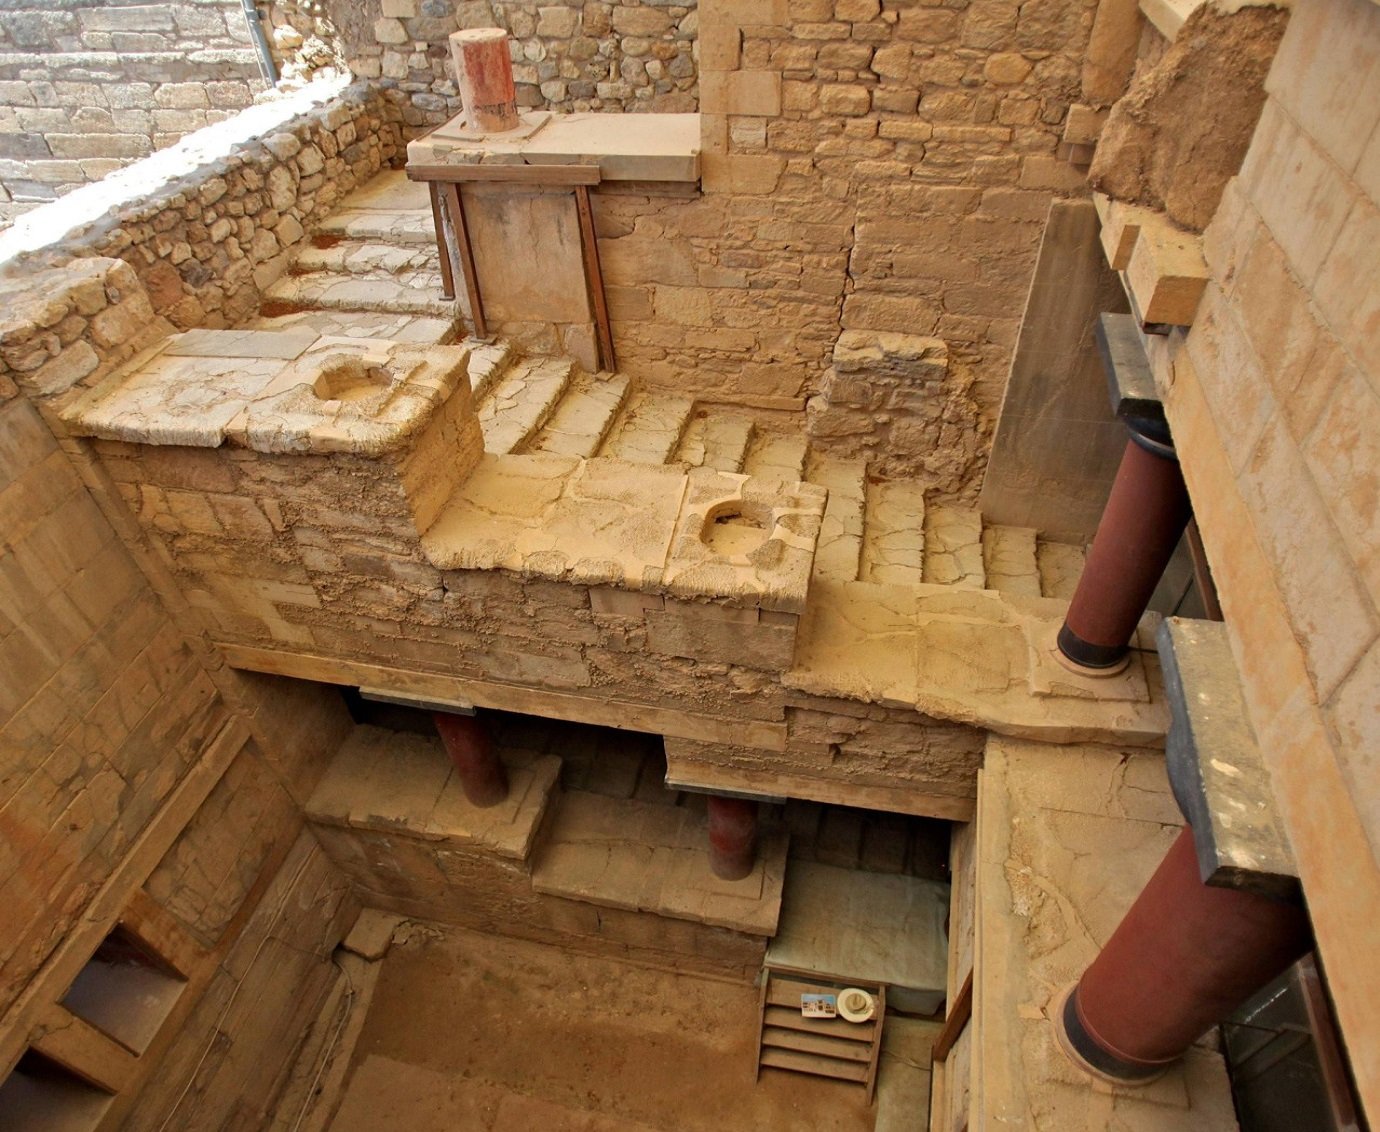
(466,251)
(594,276)
(442,244)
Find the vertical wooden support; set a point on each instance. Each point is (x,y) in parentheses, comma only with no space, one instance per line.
(83,1050)
(442,244)
(594,276)
(456,207)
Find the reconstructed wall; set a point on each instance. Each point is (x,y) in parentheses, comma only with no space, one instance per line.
(867,166)
(135,766)
(1275,405)
(207,242)
(88,87)
(570,56)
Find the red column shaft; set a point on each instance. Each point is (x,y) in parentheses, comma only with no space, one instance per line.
(1183,959)
(484,75)
(1143,521)
(732,837)
(482,774)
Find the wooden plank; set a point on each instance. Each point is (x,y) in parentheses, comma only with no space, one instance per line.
(763,734)
(161,933)
(594,277)
(1121,224)
(56,975)
(442,244)
(814,1064)
(955,1021)
(790,1018)
(787,992)
(783,1037)
(561,175)
(683,774)
(82,1049)
(876,1045)
(456,207)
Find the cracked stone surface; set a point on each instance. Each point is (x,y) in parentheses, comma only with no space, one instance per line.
(838,556)
(776,455)
(1067,839)
(1060,565)
(414,330)
(583,417)
(416,291)
(965,655)
(1008,558)
(645,857)
(953,547)
(893,547)
(650,429)
(716,439)
(520,402)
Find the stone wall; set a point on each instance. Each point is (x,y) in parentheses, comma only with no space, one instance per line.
(571,55)
(1275,405)
(87,87)
(206,242)
(867,166)
(136,766)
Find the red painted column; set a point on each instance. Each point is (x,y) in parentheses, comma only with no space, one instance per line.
(1143,521)
(482,774)
(1182,960)
(484,74)
(732,837)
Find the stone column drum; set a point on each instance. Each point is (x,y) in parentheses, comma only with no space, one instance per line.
(484,74)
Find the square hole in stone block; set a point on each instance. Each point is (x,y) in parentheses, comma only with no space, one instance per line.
(125,991)
(42,1096)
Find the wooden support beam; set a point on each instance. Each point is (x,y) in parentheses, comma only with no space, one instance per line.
(82,1050)
(594,277)
(1167,274)
(558,175)
(456,206)
(442,244)
(955,1021)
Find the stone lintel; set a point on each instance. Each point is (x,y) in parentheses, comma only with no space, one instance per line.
(1215,766)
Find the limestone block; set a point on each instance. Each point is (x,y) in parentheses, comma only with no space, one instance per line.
(722,635)
(1166,275)
(748,174)
(742,92)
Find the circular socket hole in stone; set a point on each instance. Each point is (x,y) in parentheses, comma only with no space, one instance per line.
(345,377)
(736,529)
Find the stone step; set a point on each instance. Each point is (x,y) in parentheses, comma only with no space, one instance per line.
(402,784)
(1060,565)
(893,542)
(649,428)
(1008,558)
(643,857)
(716,439)
(413,292)
(412,227)
(522,400)
(777,456)
(903,1078)
(412,329)
(363,257)
(488,362)
(953,547)
(583,418)
(839,554)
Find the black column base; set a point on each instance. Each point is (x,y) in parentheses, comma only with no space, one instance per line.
(1088,1054)
(1085,654)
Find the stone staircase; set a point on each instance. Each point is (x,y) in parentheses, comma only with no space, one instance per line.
(371,271)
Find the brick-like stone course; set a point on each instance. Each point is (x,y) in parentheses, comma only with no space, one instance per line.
(87,89)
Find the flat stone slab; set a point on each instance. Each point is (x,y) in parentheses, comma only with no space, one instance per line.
(626,147)
(1067,838)
(646,857)
(392,782)
(652,528)
(866,927)
(965,655)
(1215,765)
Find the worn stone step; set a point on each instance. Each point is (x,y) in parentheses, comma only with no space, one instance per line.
(489,361)
(649,428)
(413,227)
(643,857)
(1009,561)
(839,552)
(412,329)
(777,456)
(584,416)
(1060,565)
(415,292)
(522,400)
(364,257)
(953,547)
(716,439)
(893,542)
